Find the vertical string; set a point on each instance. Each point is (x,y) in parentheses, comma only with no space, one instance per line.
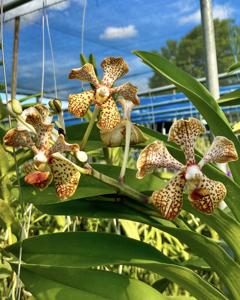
(83,29)
(52,54)
(43,51)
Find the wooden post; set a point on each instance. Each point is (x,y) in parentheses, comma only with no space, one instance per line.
(15,57)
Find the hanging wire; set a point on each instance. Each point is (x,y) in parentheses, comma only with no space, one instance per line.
(83,24)
(43,50)
(52,54)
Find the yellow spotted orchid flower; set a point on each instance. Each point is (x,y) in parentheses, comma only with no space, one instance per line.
(204,194)
(47,164)
(113,68)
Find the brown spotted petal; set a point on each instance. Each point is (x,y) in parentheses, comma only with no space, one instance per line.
(43,130)
(29,167)
(39,179)
(207,195)
(62,146)
(85,73)
(65,174)
(113,68)
(185,133)
(155,156)
(109,115)
(79,104)
(43,111)
(18,138)
(222,150)
(128,91)
(169,200)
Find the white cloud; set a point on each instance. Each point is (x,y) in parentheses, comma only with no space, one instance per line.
(219,11)
(114,33)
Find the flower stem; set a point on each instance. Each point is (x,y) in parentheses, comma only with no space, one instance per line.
(90,127)
(61,121)
(126,150)
(125,189)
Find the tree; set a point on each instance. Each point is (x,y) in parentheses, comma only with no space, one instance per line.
(188,52)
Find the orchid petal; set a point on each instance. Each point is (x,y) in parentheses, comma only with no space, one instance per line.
(207,195)
(155,156)
(65,174)
(185,133)
(128,91)
(85,73)
(62,146)
(109,115)
(39,179)
(18,138)
(113,68)
(169,200)
(29,167)
(222,150)
(79,103)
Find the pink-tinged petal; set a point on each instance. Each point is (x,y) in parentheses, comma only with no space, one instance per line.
(65,174)
(128,91)
(207,195)
(62,146)
(39,179)
(109,116)
(169,200)
(155,156)
(222,150)
(185,133)
(85,73)
(113,68)
(18,138)
(79,103)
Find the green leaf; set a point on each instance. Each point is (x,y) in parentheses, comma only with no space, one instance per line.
(88,249)
(199,96)
(234,67)
(61,283)
(230,99)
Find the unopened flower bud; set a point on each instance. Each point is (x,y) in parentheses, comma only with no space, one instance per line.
(115,137)
(82,156)
(14,108)
(55,105)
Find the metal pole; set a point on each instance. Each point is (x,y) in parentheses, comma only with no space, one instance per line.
(15,57)
(210,47)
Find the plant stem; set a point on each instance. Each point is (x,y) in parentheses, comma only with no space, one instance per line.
(126,150)
(125,189)
(61,121)
(90,127)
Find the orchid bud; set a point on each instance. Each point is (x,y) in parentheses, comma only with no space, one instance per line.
(114,137)
(55,105)
(14,107)
(81,156)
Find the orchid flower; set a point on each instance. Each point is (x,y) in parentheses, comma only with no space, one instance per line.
(47,164)
(113,68)
(204,194)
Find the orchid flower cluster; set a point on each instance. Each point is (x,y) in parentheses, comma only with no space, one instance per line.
(36,132)
(204,194)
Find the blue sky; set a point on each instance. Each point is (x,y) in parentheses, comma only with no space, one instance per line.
(112,28)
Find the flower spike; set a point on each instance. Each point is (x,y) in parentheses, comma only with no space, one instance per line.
(204,194)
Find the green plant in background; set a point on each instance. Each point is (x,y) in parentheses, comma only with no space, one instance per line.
(201,258)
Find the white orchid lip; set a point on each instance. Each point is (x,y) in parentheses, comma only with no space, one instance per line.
(102,94)
(40,157)
(193,173)
(82,156)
